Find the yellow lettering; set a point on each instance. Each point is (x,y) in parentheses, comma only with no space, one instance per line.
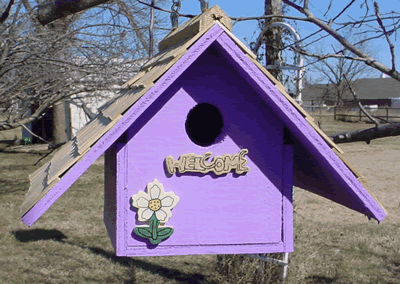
(189,165)
(231,162)
(198,163)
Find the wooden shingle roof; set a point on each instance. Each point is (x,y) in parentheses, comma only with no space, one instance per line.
(173,47)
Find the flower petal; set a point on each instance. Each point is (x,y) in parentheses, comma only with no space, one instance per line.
(161,215)
(167,201)
(137,196)
(142,203)
(155,192)
(166,196)
(146,215)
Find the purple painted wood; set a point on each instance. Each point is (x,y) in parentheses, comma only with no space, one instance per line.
(287,195)
(216,214)
(231,213)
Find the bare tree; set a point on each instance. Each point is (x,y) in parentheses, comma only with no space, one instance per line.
(330,72)
(81,55)
(373,25)
(380,25)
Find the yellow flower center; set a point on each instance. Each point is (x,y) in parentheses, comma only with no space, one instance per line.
(155,204)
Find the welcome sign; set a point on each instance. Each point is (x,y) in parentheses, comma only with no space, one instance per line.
(198,163)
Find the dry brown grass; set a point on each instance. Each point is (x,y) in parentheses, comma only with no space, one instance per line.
(69,243)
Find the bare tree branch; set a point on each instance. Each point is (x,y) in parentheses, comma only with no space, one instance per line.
(34,135)
(164,10)
(391,45)
(54,10)
(360,53)
(344,9)
(326,56)
(240,19)
(6,12)
(359,103)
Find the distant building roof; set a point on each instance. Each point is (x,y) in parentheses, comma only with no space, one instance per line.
(375,88)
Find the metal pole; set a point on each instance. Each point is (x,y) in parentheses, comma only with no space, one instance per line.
(298,58)
(285,267)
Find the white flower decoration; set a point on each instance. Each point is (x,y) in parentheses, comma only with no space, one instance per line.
(155,200)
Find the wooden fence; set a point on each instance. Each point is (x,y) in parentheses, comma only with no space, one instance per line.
(354,114)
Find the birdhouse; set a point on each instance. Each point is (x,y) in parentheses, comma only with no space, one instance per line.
(202,151)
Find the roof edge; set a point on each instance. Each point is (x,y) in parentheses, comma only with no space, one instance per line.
(294,119)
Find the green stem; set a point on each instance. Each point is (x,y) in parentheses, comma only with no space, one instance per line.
(153,226)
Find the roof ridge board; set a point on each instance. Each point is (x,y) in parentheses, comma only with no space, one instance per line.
(184,45)
(196,25)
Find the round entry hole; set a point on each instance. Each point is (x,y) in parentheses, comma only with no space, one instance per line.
(204,124)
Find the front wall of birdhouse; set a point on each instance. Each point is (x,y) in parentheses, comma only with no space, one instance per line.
(247,212)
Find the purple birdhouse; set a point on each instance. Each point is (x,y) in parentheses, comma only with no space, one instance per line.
(202,151)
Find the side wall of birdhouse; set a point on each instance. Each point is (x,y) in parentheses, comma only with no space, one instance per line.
(113,174)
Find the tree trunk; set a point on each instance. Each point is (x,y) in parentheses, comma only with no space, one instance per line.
(273,38)
(53,10)
(61,123)
(366,135)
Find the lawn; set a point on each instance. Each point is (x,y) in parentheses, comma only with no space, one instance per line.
(69,243)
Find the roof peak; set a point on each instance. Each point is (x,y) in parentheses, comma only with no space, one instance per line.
(195,26)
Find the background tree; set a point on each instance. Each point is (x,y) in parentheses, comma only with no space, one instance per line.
(373,25)
(330,72)
(85,55)
(273,37)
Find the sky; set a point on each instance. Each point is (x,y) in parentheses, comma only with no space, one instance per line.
(251,8)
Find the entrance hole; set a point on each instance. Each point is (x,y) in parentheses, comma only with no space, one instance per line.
(204,124)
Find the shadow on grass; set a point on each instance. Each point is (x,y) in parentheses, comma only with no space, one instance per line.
(55,235)
(25,236)
(151,267)
(321,279)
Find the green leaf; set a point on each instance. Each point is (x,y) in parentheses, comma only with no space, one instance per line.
(165,232)
(142,232)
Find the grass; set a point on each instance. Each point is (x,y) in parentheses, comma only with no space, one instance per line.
(333,244)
